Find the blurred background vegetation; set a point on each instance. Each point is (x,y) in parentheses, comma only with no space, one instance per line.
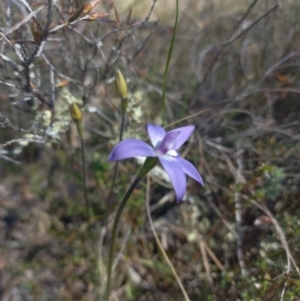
(234,74)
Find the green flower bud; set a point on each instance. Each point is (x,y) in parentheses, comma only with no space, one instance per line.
(121,85)
(76,115)
(75,112)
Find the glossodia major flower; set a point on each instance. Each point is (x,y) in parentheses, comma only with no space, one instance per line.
(165,146)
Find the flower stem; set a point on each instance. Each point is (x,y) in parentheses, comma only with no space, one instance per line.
(164,87)
(122,126)
(148,165)
(114,233)
(109,203)
(87,204)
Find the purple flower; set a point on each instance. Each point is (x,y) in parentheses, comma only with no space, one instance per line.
(165,147)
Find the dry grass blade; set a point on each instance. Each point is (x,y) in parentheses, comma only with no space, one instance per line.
(186,297)
(290,258)
(205,259)
(213,256)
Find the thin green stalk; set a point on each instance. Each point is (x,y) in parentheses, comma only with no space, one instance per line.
(169,58)
(77,116)
(148,165)
(122,126)
(109,205)
(114,234)
(87,204)
(122,90)
(108,201)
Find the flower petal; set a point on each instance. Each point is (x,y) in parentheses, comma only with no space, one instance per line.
(190,169)
(156,133)
(185,134)
(168,143)
(130,148)
(176,175)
